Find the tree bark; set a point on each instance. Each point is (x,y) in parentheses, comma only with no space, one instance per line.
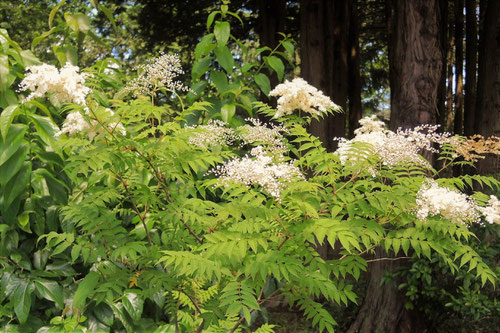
(354,76)
(442,91)
(488,88)
(416,68)
(417,63)
(383,308)
(323,42)
(459,67)
(470,66)
(271,21)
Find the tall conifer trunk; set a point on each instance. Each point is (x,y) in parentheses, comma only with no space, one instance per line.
(416,69)
(470,66)
(488,88)
(324,51)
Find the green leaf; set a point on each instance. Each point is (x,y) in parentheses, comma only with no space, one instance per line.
(85,288)
(65,54)
(50,290)
(204,46)
(105,314)
(227,112)
(225,58)
(211,18)
(13,164)
(38,39)
(77,22)
(288,47)
(21,298)
(221,32)
(45,128)
(277,65)
(200,67)
(4,71)
(109,15)
(220,81)
(263,82)
(134,305)
(54,11)
(18,184)
(24,221)
(13,141)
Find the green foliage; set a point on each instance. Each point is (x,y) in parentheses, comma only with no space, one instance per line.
(125,226)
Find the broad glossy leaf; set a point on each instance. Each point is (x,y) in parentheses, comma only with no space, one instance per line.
(77,22)
(224,58)
(227,112)
(105,314)
(6,117)
(221,32)
(200,67)
(220,80)
(13,164)
(134,305)
(263,82)
(4,71)
(15,137)
(50,290)
(21,298)
(18,184)
(277,65)
(204,46)
(85,288)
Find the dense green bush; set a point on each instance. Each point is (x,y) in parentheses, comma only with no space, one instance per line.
(157,208)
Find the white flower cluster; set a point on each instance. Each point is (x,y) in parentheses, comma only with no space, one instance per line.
(258,169)
(76,123)
(300,95)
(433,199)
(213,134)
(393,148)
(492,211)
(73,124)
(66,85)
(158,73)
(259,133)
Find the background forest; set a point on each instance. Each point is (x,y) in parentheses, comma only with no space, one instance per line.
(410,62)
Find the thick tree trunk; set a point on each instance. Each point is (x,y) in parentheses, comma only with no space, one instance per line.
(354,81)
(416,68)
(417,63)
(271,21)
(383,308)
(488,89)
(470,66)
(323,42)
(459,67)
(442,91)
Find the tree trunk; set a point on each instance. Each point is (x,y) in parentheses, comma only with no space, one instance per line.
(384,310)
(459,67)
(442,91)
(416,66)
(271,21)
(488,88)
(470,66)
(323,42)
(417,63)
(354,80)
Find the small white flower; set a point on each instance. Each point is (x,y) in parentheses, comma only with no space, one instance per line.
(258,169)
(433,199)
(66,84)
(492,211)
(212,134)
(300,95)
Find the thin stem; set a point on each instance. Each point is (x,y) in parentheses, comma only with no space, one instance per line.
(191,231)
(131,197)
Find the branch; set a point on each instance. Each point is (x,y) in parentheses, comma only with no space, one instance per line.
(191,231)
(135,206)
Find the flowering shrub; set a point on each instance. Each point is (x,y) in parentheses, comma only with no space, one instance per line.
(183,216)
